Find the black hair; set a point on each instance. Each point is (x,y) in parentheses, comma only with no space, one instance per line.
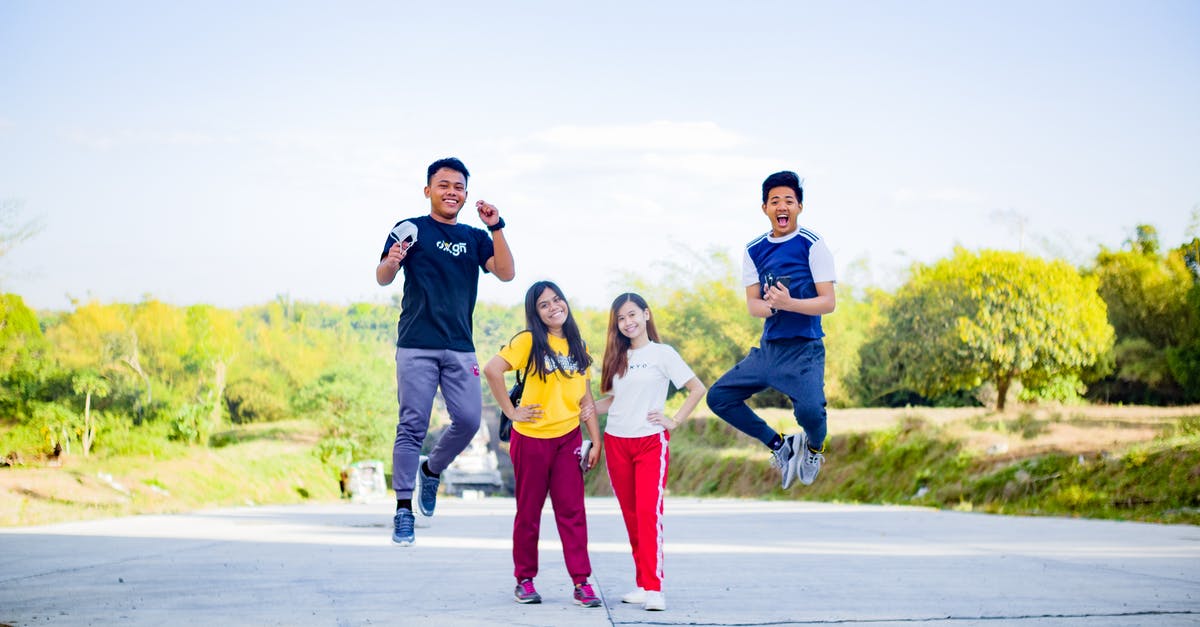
(540,350)
(785,178)
(449,162)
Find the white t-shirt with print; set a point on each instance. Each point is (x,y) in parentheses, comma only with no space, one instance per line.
(644,389)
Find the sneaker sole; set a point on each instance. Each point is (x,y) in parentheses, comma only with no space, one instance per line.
(792,472)
(593,604)
(528,601)
(402,542)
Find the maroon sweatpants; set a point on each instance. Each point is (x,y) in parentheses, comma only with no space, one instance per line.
(541,467)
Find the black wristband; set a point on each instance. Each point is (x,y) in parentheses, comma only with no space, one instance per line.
(497,226)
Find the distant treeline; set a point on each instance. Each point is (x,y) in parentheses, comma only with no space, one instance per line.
(978,327)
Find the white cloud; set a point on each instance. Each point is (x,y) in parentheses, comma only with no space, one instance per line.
(712,166)
(97,140)
(943,195)
(660,135)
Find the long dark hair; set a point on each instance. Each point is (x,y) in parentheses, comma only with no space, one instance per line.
(541,342)
(616,350)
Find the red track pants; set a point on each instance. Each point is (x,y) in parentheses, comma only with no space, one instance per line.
(637,468)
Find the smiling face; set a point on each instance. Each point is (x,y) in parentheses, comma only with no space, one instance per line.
(631,322)
(447,193)
(553,310)
(782,208)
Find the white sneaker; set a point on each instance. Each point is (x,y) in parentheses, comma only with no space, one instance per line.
(655,601)
(810,464)
(635,596)
(787,458)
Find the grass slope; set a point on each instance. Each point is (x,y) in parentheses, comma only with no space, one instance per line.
(271,463)
(1116,465)
(1099,462)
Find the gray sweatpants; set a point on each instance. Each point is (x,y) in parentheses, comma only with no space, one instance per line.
(419,373)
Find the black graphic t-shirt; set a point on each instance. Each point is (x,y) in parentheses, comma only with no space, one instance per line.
(441,280)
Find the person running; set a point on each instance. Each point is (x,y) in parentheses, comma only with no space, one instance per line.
(637,372)
(789,275)
(441,259)
(547,448)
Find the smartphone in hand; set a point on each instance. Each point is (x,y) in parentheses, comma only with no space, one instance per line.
(771,280)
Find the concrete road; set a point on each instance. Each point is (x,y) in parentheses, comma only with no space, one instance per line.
(728,562)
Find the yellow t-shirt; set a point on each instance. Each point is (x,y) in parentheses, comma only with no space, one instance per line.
(558,395)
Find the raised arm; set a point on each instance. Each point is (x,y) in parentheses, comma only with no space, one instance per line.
(389,266)
(501,263)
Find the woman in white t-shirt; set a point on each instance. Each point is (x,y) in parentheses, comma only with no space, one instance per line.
(636,373)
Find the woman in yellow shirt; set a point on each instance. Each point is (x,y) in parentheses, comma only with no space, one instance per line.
(547,446)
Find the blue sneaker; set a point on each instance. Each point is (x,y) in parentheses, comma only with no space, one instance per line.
(402,532)
(429,488)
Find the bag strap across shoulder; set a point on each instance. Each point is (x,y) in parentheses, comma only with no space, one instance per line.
(522,372)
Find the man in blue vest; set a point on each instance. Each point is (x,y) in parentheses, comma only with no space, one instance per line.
(789,275)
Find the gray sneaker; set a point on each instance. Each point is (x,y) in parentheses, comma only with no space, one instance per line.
(428,489)
(784,460)
(402,531)
(810,463)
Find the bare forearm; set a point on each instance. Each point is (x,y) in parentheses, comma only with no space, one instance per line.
(494,373)
(816,306)
(593,429)
(503,265)
(386,271)
(695,394)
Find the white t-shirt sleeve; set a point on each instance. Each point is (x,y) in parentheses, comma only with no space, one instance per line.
(676,369)
(820,262)
(749,270)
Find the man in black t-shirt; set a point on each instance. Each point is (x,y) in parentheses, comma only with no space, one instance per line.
(441,260)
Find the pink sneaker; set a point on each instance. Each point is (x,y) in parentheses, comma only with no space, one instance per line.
(526,594)
(585,596)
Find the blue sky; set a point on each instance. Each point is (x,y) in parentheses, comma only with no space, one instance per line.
(227,153)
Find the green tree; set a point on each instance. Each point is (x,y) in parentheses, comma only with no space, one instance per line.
(847,330)
(101,338)
(215,342)
(357,420)
(89,384)
(1146,292)
(494,327)
(289,353)
(997,317)
(1184,358)
(23,354)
